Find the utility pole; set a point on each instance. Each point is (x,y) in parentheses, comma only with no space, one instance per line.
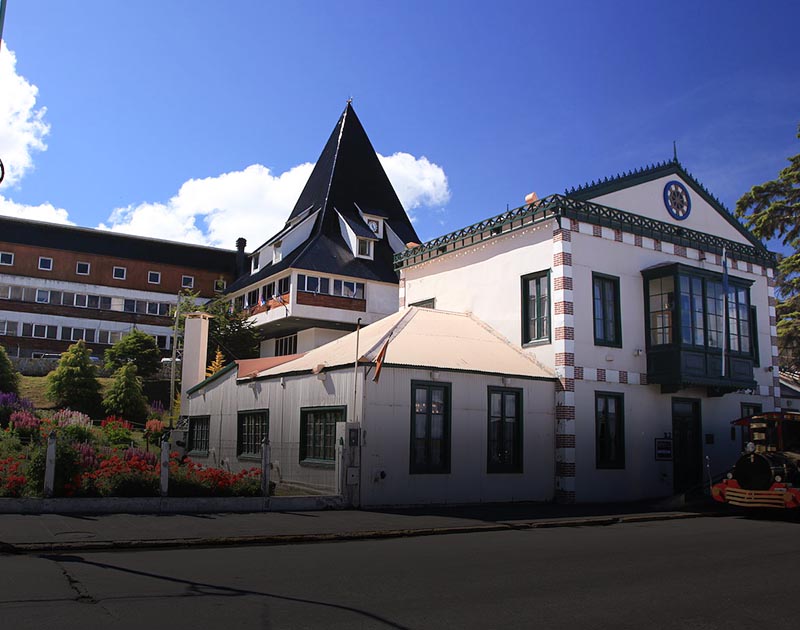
(174,359)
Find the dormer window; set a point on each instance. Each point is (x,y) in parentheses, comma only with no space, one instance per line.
(364,248)
(255,263)
(276,252)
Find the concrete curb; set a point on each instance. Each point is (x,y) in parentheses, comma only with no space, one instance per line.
(294,539)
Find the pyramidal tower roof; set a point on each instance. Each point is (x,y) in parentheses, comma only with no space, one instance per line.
(349,173)
(346,182)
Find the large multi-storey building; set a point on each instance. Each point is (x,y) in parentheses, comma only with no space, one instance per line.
(59,284)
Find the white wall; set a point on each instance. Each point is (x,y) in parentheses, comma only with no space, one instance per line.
(648,200)
(647,416)
(486,281)
(387,423)
(385,414)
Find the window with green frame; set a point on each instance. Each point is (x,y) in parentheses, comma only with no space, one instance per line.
(430,427)
(504,441)
(606,303)
(700,306)
(318,433)
(536,307)
(609,430)
(252,427)
(198,439)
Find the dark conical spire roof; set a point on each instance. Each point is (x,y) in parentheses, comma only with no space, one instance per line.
(349,172)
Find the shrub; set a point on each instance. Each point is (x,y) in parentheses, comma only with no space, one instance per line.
(67,473)
(138,349)
(122,476)
(117,431)
(67,417)
(9,403)
(125,397)
(12,477)
(25,424)
(9,377)
(153,431)
(188,479)
(74,382)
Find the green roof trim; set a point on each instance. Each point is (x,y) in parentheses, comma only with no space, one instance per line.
(558,207)
(212,378)
(649,173)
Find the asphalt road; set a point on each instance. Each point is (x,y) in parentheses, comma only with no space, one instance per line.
(701,573)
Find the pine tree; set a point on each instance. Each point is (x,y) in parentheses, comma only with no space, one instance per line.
(138,348)
(216,365)
(125,397)
(9,377)
(74,382)
(772,210)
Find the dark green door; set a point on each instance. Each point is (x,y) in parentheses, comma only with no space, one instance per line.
(687,444)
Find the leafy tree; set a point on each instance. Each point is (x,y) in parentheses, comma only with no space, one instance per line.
(216,365)
(229,330)
(74,382)
(772,210)
(125,397)
(9,377)
(137,348)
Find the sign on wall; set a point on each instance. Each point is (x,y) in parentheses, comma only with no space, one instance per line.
(663,449)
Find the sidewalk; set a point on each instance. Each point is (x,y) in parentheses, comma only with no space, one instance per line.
(24,533)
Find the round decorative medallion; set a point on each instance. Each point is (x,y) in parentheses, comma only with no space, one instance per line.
(677,200)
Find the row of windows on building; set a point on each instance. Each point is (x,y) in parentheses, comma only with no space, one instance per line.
(679,307)
(83,300)
(83,268)
(69,333)
(430,430)
(309,284)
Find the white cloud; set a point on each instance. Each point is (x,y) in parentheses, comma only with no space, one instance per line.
(255,204)
(22,126)
(42,212)
(417,181)
(252,203)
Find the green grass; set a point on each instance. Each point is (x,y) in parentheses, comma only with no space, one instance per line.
(34,387)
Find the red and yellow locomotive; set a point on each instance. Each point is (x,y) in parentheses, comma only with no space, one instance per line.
(767,475)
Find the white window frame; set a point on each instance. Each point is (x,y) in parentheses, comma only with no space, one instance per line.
(189,284)
(78,266)
(8,264)
(150,275)
(43,293)
(220,285)
(369,247)
(43,258)
(124,273)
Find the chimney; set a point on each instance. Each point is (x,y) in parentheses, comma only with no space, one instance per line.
(195,350)
(240,266)
(531,198)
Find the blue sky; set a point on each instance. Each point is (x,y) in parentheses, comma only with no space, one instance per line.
(198,120)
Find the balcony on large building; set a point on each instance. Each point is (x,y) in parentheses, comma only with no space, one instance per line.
(697,333)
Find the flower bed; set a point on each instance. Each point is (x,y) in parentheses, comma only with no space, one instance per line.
(103,461)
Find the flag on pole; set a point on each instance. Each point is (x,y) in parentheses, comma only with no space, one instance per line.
(725,320)
(379,360)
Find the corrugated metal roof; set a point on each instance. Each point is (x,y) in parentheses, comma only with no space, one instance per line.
(420,337)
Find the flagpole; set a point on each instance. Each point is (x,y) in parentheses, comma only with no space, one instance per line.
(725,321)
(355,369)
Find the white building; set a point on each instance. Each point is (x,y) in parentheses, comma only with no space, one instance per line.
(457,415)
(618,287)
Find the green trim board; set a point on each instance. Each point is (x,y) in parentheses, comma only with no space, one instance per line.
(652,172)
(558,207)
(212,378)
